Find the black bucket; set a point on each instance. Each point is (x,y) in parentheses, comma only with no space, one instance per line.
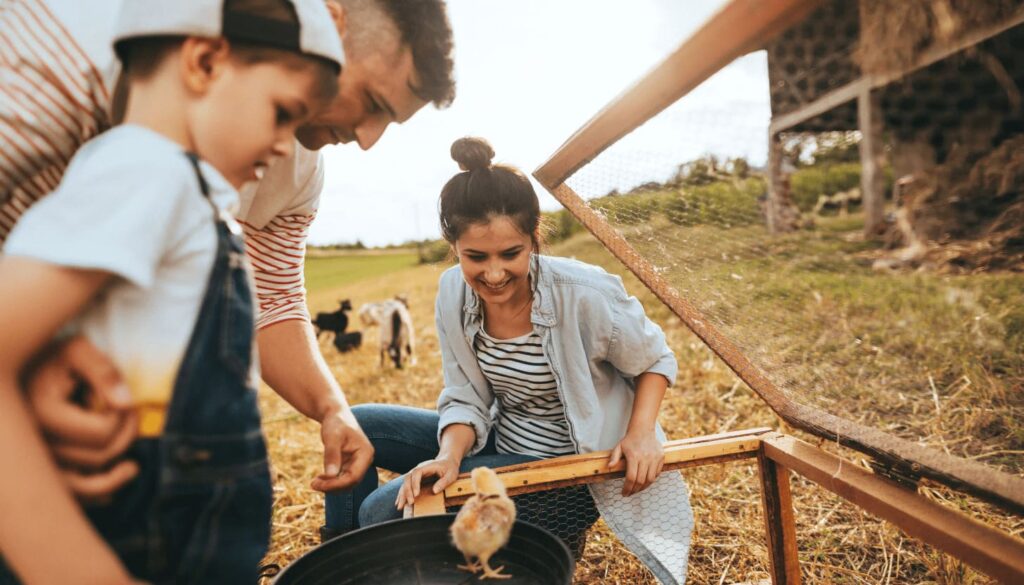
(419,551)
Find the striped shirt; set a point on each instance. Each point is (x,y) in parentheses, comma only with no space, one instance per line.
(53,99)
(57,72)
(531,417)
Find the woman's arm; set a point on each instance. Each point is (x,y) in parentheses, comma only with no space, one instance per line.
(456,441)
(461,401)
(644,453)
(37,512)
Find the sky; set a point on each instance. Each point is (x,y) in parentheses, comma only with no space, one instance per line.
(529,73)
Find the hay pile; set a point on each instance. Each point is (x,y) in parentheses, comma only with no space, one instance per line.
(838,543)
(894,33)
(968,213)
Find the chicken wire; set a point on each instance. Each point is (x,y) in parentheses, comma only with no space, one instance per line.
(568,513)
(914,326)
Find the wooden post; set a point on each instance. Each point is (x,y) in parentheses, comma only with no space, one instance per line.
(990,550)
(779,522)
(872,180)
(771,209)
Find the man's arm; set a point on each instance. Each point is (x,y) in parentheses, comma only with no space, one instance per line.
(293,367)
(289,354)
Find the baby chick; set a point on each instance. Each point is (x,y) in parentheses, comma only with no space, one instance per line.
(484,523)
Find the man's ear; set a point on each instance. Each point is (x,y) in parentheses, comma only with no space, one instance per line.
(202,60)
(338,15)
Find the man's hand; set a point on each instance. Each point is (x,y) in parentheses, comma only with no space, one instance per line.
(86,441)
(347,453)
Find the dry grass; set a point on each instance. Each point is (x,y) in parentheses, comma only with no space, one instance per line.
(838,543)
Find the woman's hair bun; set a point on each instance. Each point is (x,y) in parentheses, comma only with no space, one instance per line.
(472,153)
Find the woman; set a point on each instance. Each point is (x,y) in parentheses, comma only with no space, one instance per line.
(542,357)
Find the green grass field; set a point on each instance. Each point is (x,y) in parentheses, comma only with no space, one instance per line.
(325,272)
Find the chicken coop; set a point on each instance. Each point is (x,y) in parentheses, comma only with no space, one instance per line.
(886,337)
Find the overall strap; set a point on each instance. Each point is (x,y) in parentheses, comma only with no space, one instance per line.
(203,185)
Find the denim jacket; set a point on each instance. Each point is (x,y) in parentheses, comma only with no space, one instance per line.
(596,338)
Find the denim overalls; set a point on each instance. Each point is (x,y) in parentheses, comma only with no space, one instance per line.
(199,512)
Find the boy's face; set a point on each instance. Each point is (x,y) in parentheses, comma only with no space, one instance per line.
(249,116)
(374,90)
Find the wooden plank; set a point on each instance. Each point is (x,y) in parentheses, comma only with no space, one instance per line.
(427,504)
(568,482)
(780,526)
(825,103)
(989,550)
(601,455)
(872,159)
(740,27)
(577,469)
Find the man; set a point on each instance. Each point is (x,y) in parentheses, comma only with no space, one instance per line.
(398,58)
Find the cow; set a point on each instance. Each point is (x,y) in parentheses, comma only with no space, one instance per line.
(373,313)
(337,322)
(397,337)
(344,342)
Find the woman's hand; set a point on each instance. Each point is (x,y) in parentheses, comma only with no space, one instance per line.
(645,457)
(445,469)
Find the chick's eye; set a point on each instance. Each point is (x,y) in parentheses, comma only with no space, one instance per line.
(283,115)
(476,257)
(510,255)
(372,105)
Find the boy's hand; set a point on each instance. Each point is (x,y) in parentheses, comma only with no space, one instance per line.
(85,441)
(347,453)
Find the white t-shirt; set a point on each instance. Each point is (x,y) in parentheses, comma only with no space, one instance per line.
(58,76)
(130,204)
(276,214)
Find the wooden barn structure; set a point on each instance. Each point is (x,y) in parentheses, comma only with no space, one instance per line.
(896,71)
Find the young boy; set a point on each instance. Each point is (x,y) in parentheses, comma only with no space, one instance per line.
(138,250)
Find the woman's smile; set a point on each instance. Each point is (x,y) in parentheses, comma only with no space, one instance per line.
(496,288)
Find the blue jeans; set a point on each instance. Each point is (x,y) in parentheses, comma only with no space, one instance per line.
(404,437)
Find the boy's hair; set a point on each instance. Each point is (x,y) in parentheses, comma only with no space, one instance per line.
(422,25)
(485,191)
(142,56)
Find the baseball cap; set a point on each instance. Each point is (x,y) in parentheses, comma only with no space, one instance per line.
(314,34)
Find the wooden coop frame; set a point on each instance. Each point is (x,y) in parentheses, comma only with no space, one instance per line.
(889,489)
(979,545)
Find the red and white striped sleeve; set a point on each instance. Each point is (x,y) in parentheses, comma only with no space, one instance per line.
(277,252)
(52,99)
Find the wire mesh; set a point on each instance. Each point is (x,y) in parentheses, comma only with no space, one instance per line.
(567,512)
(913,324)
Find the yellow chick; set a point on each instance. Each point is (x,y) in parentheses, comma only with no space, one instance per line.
(484,523)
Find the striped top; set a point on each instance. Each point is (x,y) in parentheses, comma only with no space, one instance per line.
(531,417)
(57,71)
